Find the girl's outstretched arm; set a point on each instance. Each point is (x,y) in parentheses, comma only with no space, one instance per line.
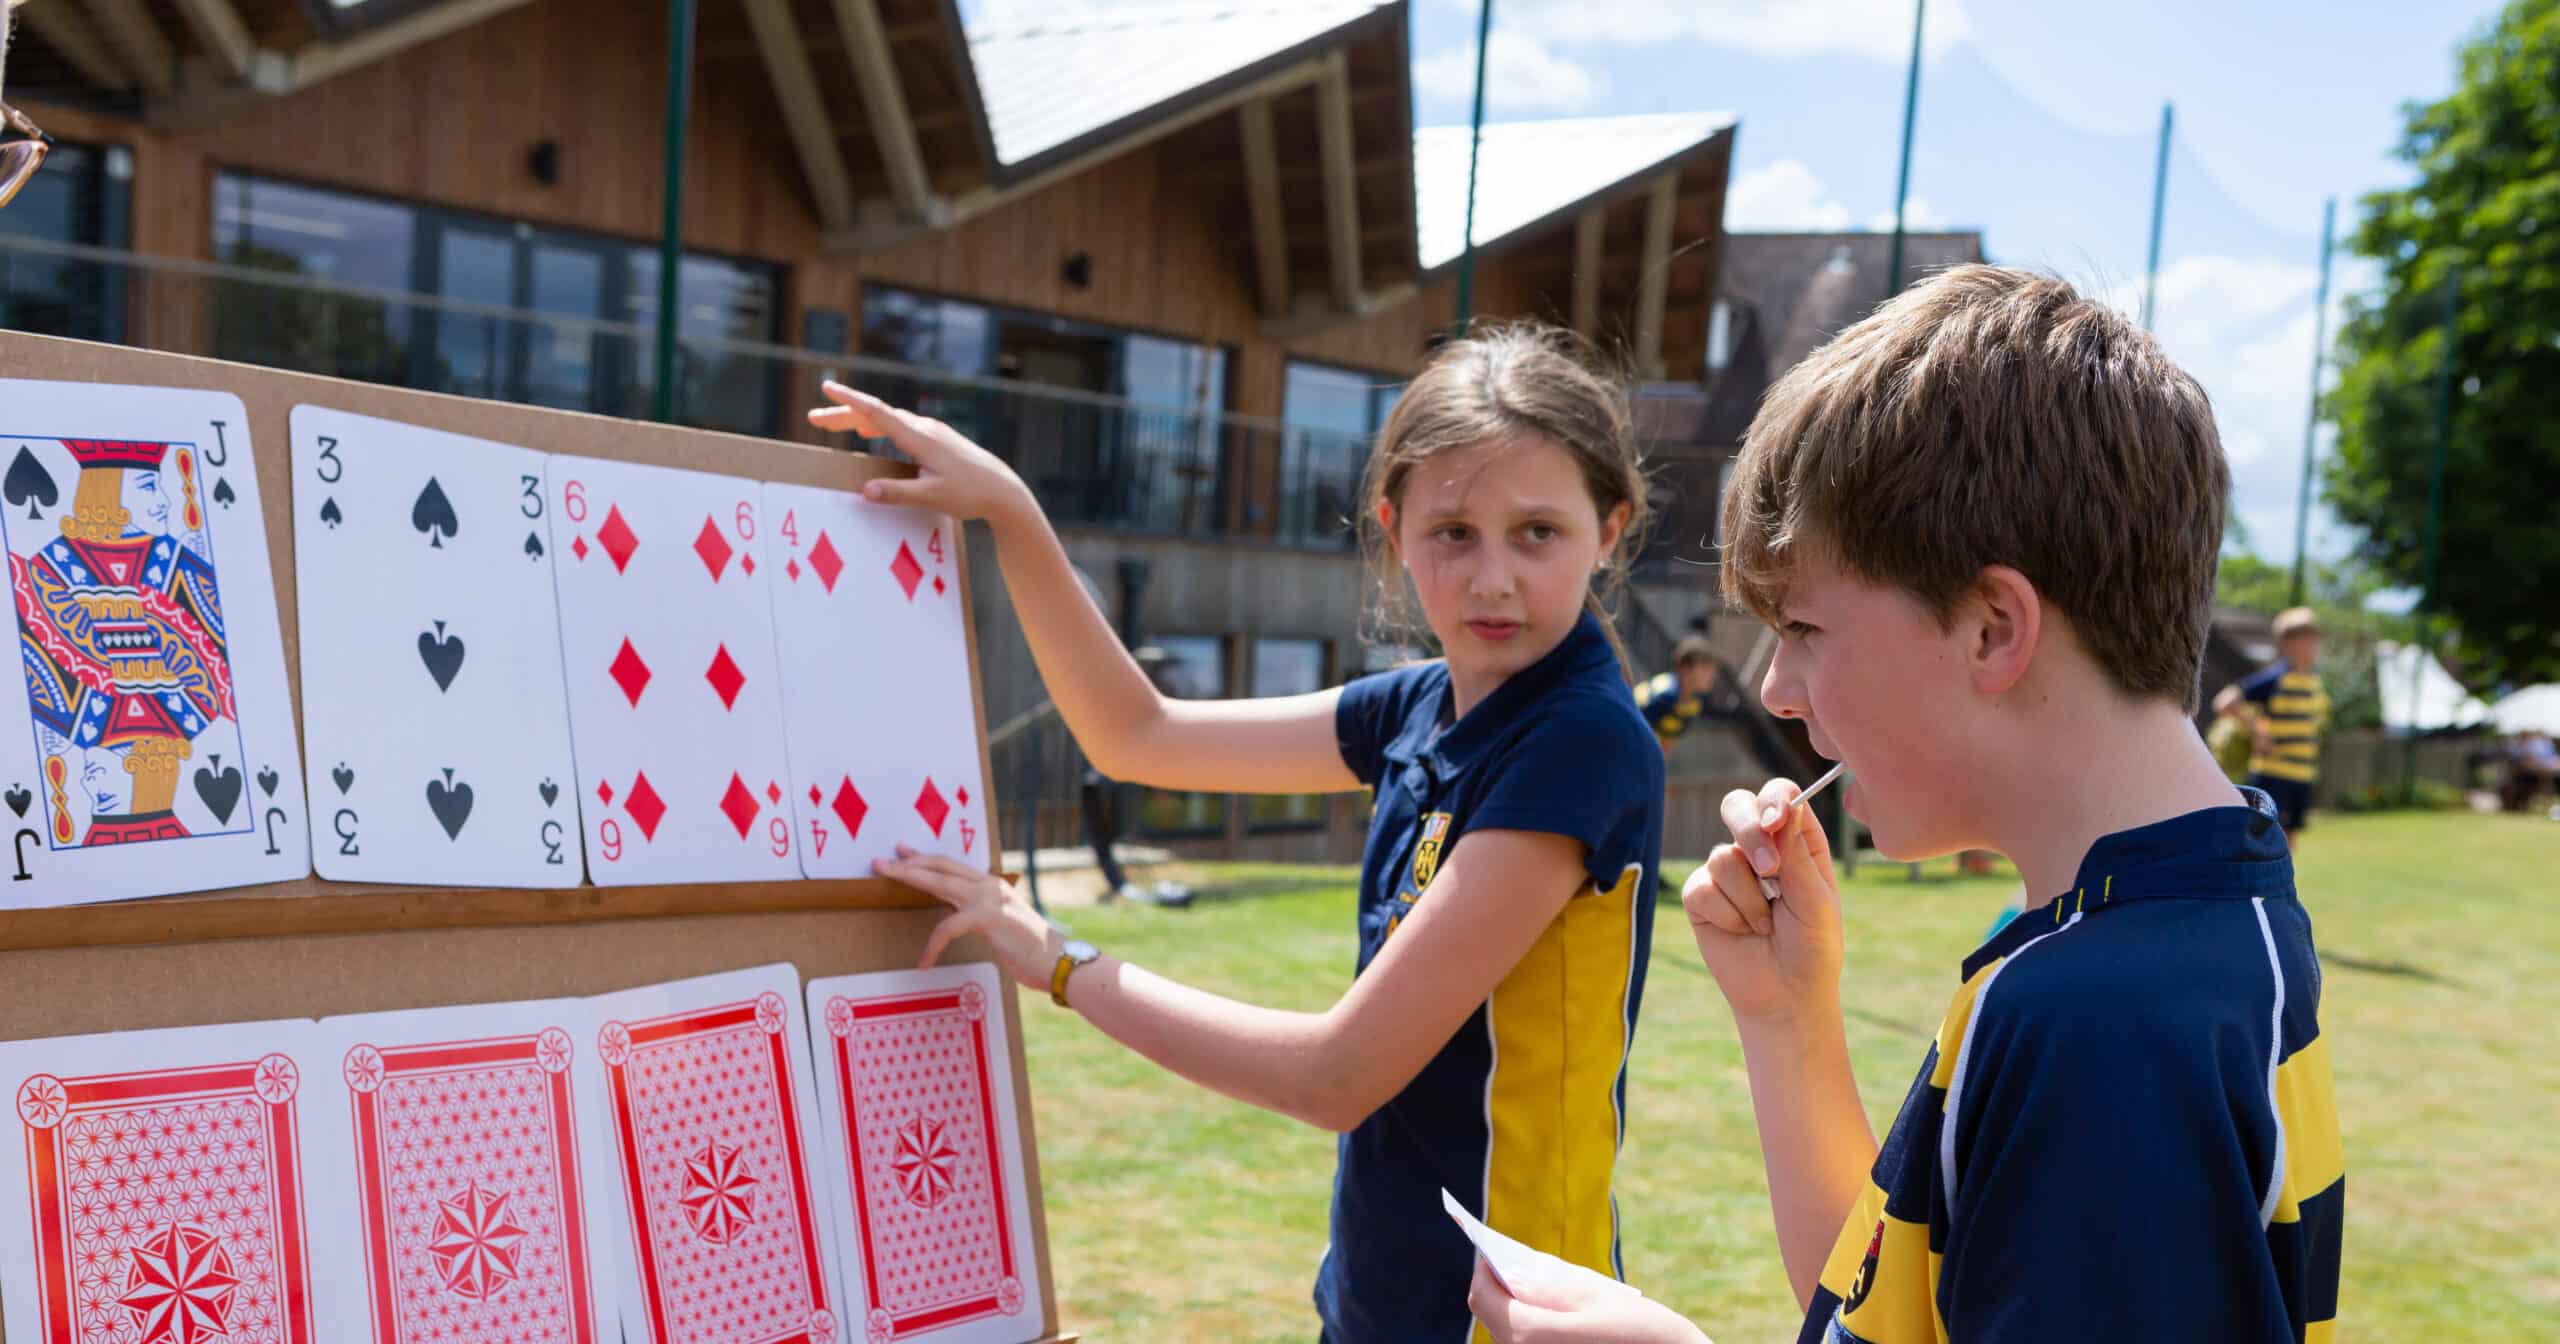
(1495,894)
(1130,731)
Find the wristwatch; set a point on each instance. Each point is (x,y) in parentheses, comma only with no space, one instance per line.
(1071,954)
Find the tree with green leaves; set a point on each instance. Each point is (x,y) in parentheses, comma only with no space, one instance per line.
(2482,221)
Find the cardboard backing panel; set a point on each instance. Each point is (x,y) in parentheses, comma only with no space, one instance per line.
(312,948)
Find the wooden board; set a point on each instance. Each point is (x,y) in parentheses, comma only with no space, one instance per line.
(313,948)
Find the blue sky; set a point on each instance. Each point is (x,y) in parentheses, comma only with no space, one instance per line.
(2038,124)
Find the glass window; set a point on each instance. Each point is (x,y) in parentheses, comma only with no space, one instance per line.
(365,243)
(316,235)
(1286,667)
(1332,416)
(1195,669)
(716,301)
(1175,466)
(81,196)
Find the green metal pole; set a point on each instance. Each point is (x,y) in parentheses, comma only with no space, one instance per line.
(2435,511)
(1475,149)
(1902,182)
(671,233)
(2159,207)
(2311,422)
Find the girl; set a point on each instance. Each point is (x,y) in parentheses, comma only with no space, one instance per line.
(1481,1047)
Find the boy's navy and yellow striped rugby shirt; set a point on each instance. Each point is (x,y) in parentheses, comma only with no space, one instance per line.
(2125,1129)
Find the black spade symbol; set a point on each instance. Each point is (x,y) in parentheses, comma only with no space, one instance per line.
(267,781)
(219,787)
(18,798)
(329,512)
(30,484)
(442,653)
(346,778)
(532,546)
(550,793)
(433,514)
(222,492)
(450,802)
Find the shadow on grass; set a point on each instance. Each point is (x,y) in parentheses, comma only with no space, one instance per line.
(2370,966)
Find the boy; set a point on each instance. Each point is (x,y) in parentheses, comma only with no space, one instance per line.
(1695,688)
(1985,522)
(2286,707)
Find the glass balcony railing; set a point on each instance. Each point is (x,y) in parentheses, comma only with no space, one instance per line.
(1095,461)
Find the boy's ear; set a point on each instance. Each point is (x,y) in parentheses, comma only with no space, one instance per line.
(2005,625)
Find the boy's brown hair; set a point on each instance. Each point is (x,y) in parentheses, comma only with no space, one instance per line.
(1993,416)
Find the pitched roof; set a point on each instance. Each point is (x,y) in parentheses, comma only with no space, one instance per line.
(1053,85)
(1530,172)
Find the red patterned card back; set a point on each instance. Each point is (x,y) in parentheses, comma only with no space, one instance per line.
(169,1205)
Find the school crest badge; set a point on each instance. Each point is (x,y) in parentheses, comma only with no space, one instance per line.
(1426,851)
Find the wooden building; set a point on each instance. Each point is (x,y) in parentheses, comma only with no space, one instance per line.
(1173,262)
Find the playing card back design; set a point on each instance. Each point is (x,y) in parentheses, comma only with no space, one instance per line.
(715,1172)
(467,1171)
(127,664)
(914,1071)
(168,1206)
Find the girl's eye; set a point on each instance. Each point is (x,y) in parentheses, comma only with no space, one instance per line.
(1452,532)
(1795,630)
(1541,531)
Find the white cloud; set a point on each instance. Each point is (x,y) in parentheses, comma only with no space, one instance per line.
(1521,74)
(2244,329)
(1784,197)
(1877,29)
(1918,216)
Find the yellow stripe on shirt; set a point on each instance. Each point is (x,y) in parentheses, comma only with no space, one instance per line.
(1559,1028)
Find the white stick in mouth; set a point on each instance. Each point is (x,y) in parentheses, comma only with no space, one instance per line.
(1769,885)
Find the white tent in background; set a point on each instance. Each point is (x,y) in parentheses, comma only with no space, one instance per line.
(2535,709)
(2418,695)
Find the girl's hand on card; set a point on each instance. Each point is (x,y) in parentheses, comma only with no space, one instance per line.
(1771,958)
(1567,1311)
(953,475)
(1025,945)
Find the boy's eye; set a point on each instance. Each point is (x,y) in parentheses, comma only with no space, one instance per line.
(1795,630)
(1540,531)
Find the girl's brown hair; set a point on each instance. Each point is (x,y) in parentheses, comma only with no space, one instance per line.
(1498,381)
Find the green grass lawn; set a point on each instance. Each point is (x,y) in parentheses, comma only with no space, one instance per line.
(1175,1214)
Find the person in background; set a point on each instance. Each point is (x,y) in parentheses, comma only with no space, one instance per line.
(2286,709)
(2232,739)
(1696,687)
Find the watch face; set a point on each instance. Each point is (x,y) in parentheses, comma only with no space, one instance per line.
(1079,950)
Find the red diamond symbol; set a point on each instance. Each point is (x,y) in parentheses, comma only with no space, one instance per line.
(712,547)
(937,585)
(850,809)
(578,547)
(823,558)
(815,797)
(617,539)
(645,806)
(604,793)
(740,805)
(747,562)
(725,677)
(793,569)
(931,807)
(963,795)
(629,673)
(905,569)
(773,793)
